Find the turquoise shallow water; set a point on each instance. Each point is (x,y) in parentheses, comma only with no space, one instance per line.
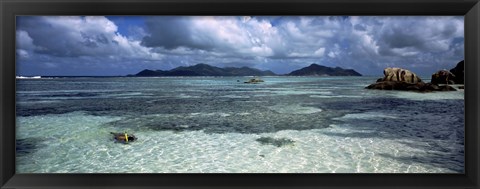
(219,125)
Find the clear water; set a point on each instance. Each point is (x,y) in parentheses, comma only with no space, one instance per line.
(220,125)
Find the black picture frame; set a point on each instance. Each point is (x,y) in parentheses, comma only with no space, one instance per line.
(9,9)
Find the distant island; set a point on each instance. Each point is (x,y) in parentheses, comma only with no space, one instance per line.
(208,70)
(318,70)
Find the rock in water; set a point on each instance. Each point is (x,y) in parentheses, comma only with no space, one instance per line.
(405,80)
(399,74)
(443,77)
(122,137)
(254,81)
(459,72)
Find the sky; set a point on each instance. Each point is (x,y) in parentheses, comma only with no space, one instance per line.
(121,45)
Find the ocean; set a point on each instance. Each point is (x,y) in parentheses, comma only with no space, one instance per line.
(222,125)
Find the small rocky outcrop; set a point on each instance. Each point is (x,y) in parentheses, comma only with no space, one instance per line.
(254,81)
(405,80)
(454,76)
(443,77)
(399,74)
(123,137)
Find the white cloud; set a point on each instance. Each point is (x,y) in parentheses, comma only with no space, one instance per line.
(320,52)
(331,54)
(22,53)
(24,41)
(73,36)
(218,36)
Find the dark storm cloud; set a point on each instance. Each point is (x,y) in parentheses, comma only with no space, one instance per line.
(360,27)
(429,35)
(56,38)
(219,36)
(399,39)
(173,32)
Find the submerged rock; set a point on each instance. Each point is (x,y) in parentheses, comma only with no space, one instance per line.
(278,142)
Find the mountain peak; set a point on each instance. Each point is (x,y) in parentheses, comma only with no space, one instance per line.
(201,65)
(319,70)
